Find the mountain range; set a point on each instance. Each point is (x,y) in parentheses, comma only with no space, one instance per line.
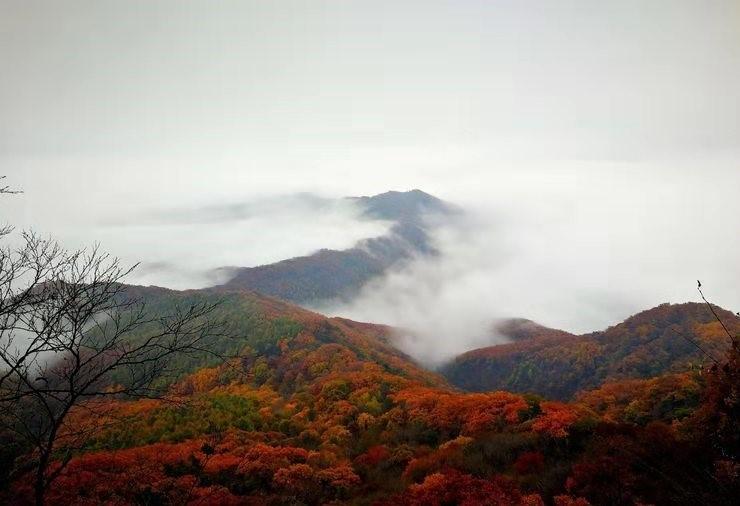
(328,274)
(314,410)
(290,407)
(557,364)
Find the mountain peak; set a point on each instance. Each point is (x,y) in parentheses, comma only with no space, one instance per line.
(408,206)
(518,329)
(339,274)
(668,338)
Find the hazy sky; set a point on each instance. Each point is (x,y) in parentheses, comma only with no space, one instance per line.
(599,142)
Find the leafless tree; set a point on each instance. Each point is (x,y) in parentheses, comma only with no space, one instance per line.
(4,190)
(71,335)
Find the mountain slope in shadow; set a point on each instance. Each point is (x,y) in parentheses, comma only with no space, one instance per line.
(339,274)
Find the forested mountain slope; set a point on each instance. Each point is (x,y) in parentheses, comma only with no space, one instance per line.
(667,338)
(272,330)
(318,410)
(519,329)
(340,274)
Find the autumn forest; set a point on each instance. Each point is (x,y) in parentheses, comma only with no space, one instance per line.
(369,253)
(316,410)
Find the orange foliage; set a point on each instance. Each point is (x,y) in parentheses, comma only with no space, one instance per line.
(294,478)
(638,400)
(465,413)
(263,460)
(555,420)
(336,413)
(373,456)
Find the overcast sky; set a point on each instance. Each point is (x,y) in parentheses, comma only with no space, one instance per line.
(599,141)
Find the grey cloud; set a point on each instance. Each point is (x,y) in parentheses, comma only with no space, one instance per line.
(252,208)
(578,257)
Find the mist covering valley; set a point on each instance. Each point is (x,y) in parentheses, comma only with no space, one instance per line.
(574,253)
(369,253)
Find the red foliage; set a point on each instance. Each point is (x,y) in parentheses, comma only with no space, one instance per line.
(262,461)
(340,478)
(295,478)
(529,463)
(566,500)
(373,456)
(453,487)
(555,420)
(338,393)
(607,477)
(469,414)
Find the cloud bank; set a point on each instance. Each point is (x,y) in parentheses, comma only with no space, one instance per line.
(184,246)
(596,145)
(580,255)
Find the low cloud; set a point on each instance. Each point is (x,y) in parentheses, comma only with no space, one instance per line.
(578,245)
(568,258)
(187,247)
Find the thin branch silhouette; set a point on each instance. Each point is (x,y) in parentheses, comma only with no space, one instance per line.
(727,331)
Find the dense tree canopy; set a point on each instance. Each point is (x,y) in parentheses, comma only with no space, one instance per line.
(668,338)
(317,410)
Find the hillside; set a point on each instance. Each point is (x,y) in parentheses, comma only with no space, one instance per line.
(519,329)
(318,410)
(557,364)
(268,329)
(340,274)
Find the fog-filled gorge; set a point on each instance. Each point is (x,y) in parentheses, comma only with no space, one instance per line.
(580,254)
(193,245)
(577,249)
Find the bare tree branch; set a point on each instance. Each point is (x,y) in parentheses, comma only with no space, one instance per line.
(71,334)
(711,308)
(6,189)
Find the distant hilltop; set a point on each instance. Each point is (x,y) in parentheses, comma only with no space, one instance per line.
(328,274)
(409,206)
